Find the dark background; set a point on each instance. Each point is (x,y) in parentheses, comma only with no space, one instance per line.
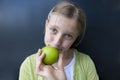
(22,31)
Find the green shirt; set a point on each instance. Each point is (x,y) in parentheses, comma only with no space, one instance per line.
(84,68)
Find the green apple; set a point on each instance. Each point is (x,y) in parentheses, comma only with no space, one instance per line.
(51,55)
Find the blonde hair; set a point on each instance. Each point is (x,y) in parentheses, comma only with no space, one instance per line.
(71,10)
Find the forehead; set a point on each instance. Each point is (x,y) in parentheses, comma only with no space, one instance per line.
(67,24)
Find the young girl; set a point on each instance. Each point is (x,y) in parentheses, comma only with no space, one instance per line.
(64,28)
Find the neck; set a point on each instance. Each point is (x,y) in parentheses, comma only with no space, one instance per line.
(68,56)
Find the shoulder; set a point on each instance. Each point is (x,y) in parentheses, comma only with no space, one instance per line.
(83,58)
(85,65)
(32,57)
(30,60)
(81,55)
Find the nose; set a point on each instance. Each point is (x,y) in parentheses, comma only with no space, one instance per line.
(57,40)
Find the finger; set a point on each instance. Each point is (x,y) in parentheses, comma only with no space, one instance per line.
(38,62)
(40,55)
(39,52)
(60,62)
(39,58)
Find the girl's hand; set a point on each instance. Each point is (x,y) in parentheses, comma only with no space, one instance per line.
(48,71)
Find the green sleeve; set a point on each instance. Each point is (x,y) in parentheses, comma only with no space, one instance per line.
(25,71)
(28,69)
(91,70)
(84,68)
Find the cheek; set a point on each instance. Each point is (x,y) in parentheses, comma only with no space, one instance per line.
(47,38)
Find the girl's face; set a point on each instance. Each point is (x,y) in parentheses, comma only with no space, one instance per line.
(60,32)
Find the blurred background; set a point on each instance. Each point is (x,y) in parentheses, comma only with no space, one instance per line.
(22,27)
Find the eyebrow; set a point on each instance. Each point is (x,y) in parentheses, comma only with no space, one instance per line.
(54,26)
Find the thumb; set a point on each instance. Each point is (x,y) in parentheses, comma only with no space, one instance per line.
(60,62)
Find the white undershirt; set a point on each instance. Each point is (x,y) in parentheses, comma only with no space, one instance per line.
(69,69)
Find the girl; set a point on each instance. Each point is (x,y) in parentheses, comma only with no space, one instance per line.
(64,28)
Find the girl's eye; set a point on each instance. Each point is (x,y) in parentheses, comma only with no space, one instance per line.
(53,30)
(68,36)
